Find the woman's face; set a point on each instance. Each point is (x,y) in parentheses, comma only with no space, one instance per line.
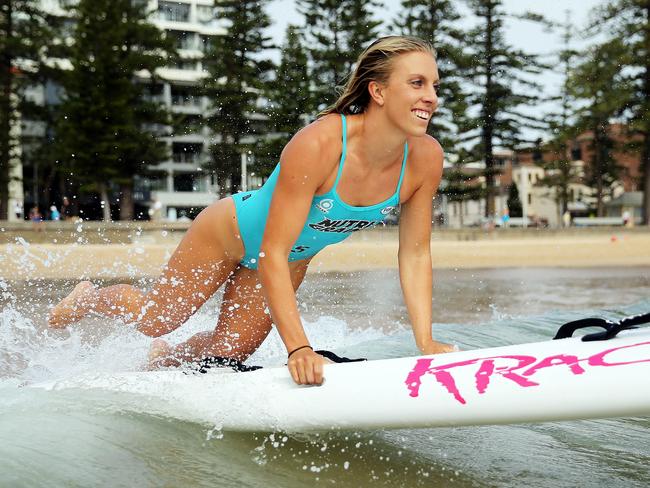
(410,96)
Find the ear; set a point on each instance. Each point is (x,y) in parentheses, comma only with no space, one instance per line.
(376,91)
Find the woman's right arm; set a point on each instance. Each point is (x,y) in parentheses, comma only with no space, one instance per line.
(303,169)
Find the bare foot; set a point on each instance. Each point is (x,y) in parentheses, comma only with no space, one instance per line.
(70,309)
(161,355)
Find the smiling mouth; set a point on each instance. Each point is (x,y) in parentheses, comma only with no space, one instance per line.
(422,114)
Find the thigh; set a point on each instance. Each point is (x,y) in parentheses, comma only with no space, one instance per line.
(244,320)
(208,254)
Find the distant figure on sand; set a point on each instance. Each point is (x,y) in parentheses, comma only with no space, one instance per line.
(66,209)
(505,218)
(18,211)
(363,157)
(37,219)
(54,213)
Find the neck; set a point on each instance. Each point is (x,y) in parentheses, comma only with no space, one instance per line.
(381,142)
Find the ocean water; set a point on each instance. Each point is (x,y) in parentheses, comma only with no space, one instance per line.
(59,438)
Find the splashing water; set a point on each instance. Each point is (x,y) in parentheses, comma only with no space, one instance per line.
(54,438)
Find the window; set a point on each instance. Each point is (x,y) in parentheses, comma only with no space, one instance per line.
(145,184)
(184,182)
(576,153)
(185,64)
(152,92)
(186,153)
(183,39)
(68,27)
(204,14)
(174,11)
(205,43)
(530,199)
(189,124)
(190,182)
(185,97)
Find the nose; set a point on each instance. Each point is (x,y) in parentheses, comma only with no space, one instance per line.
(431,96)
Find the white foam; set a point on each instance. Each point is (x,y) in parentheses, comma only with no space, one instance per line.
(33,354)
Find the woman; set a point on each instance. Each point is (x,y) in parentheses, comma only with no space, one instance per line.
(346,171)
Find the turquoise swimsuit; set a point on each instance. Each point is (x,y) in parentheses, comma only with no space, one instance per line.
(330,219)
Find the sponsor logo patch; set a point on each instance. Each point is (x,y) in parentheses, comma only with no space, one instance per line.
(342,226)
(325,205)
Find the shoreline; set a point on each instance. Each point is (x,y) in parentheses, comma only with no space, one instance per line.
(23,260)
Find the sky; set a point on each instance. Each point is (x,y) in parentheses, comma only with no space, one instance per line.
(526,36)
(523,35)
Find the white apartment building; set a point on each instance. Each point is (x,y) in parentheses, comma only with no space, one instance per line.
(181,185)
(184,185)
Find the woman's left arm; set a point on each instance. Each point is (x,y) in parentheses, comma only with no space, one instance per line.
(415,267)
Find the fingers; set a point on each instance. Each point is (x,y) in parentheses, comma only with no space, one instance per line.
(293,370)
(318,373)
(306,367)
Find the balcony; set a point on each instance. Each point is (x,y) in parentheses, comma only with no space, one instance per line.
(173,12)
(186,158)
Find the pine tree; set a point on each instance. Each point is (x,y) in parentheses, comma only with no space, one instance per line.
(514,202)
(238,73)
(336,31)
(288,98)
(24,38)
(591,82)
(628,23)
(102,135)
(499,87)
(559,171)
(435,21)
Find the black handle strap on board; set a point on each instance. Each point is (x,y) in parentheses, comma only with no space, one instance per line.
(338,359)
(207,363)
(611,328)
(222,362)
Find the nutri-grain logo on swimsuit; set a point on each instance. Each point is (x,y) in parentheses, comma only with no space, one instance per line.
(341,226)
(325,205)
(387,210)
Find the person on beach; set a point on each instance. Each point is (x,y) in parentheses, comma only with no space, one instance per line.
(54,213)
(363,156)
(36,218)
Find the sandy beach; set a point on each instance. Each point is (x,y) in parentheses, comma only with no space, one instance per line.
(144,253)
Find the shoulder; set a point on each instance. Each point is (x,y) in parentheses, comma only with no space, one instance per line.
(316,146)
(426,158)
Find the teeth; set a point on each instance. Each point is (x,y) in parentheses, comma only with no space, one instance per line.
(421,114)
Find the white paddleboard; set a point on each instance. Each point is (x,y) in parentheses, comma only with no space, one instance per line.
(545,381)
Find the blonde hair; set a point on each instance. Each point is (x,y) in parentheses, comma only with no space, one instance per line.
(374,64)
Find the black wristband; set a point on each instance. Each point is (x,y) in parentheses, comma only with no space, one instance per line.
(298,349)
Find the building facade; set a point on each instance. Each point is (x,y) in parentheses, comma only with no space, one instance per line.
(182,187)
(179,186)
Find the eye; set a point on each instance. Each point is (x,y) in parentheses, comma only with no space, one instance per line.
(436,87)
(417,83)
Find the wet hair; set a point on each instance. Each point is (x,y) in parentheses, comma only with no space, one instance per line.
(374,64)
